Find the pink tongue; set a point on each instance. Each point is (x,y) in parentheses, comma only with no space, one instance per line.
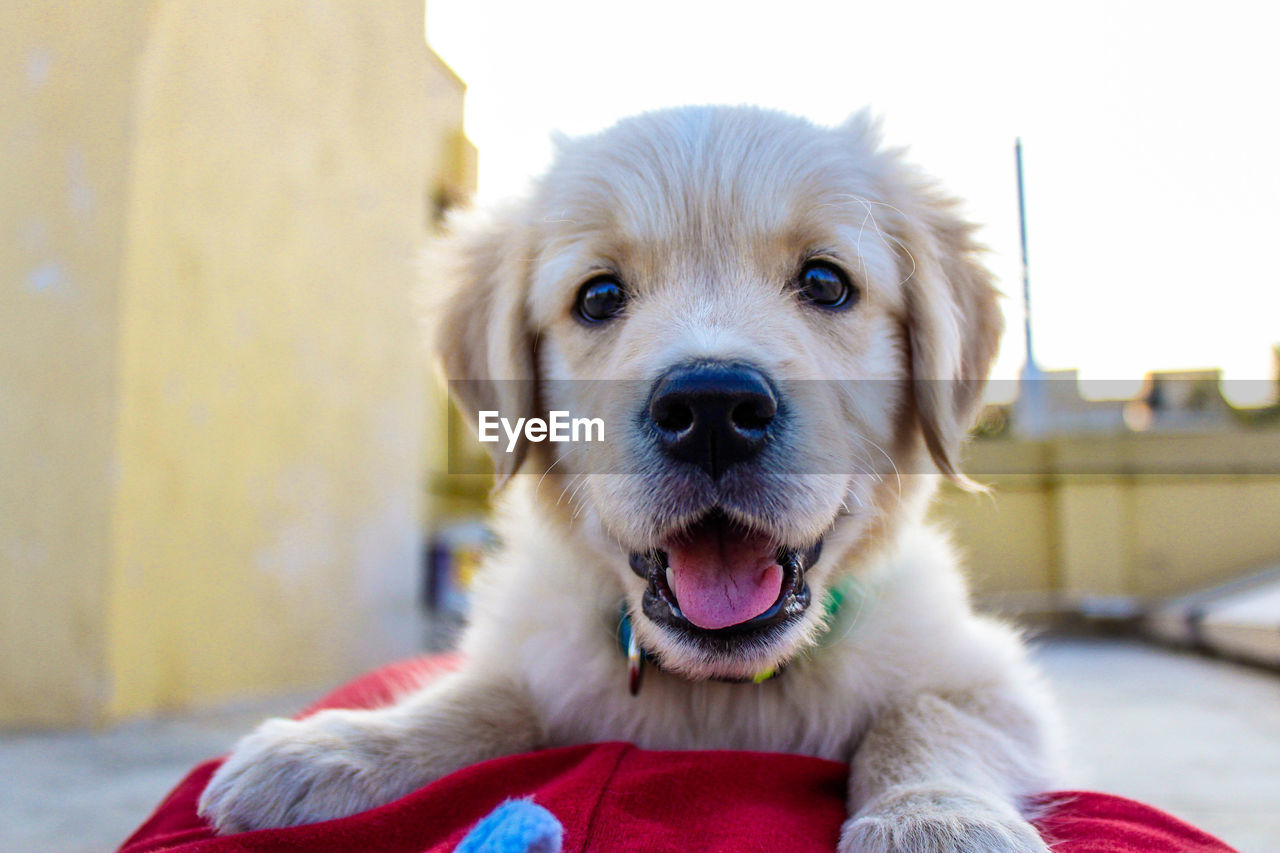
(722,576)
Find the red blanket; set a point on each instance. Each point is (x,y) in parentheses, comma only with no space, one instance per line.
(616,797)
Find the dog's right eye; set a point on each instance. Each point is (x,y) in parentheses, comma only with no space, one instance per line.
(600,299)
(824,284)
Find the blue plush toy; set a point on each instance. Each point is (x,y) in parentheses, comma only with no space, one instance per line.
(516,826)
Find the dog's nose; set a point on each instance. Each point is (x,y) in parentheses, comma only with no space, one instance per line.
(713,414)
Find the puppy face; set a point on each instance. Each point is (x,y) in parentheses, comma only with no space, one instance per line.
(777,323)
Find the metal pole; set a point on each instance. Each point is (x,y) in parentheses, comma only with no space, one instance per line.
(1031,366)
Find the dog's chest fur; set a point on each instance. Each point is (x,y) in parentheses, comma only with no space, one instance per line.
(782,715)
(557,636)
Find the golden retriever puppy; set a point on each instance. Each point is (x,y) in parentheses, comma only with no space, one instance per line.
(785,332)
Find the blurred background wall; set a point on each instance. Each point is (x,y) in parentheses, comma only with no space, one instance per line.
(1106,525)
(213,388)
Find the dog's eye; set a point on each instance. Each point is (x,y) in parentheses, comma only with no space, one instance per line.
(826,285)
(600,299)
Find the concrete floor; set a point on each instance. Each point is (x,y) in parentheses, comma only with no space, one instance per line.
(1197,737)
(76,792)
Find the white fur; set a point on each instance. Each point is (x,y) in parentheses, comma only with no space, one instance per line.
(705,212)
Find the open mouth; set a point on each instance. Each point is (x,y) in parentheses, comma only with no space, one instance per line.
(720,583)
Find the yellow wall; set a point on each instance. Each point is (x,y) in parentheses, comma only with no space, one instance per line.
(1122,518)
(64,184)
(213,384)
(1008,547)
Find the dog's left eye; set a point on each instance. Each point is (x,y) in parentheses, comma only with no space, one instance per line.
(600,299)
(826,285)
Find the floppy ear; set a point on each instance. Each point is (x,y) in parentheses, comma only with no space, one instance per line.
(953,324)
(953,318)
(483,337)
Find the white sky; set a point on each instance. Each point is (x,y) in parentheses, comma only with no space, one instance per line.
(1151,136)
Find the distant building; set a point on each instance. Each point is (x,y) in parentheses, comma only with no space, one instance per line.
(1050,404)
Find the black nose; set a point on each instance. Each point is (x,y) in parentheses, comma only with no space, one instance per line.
(713,414)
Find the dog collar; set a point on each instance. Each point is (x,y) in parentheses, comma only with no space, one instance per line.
(842,605)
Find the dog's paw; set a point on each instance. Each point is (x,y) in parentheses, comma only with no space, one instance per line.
(939,820)
(291,772)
